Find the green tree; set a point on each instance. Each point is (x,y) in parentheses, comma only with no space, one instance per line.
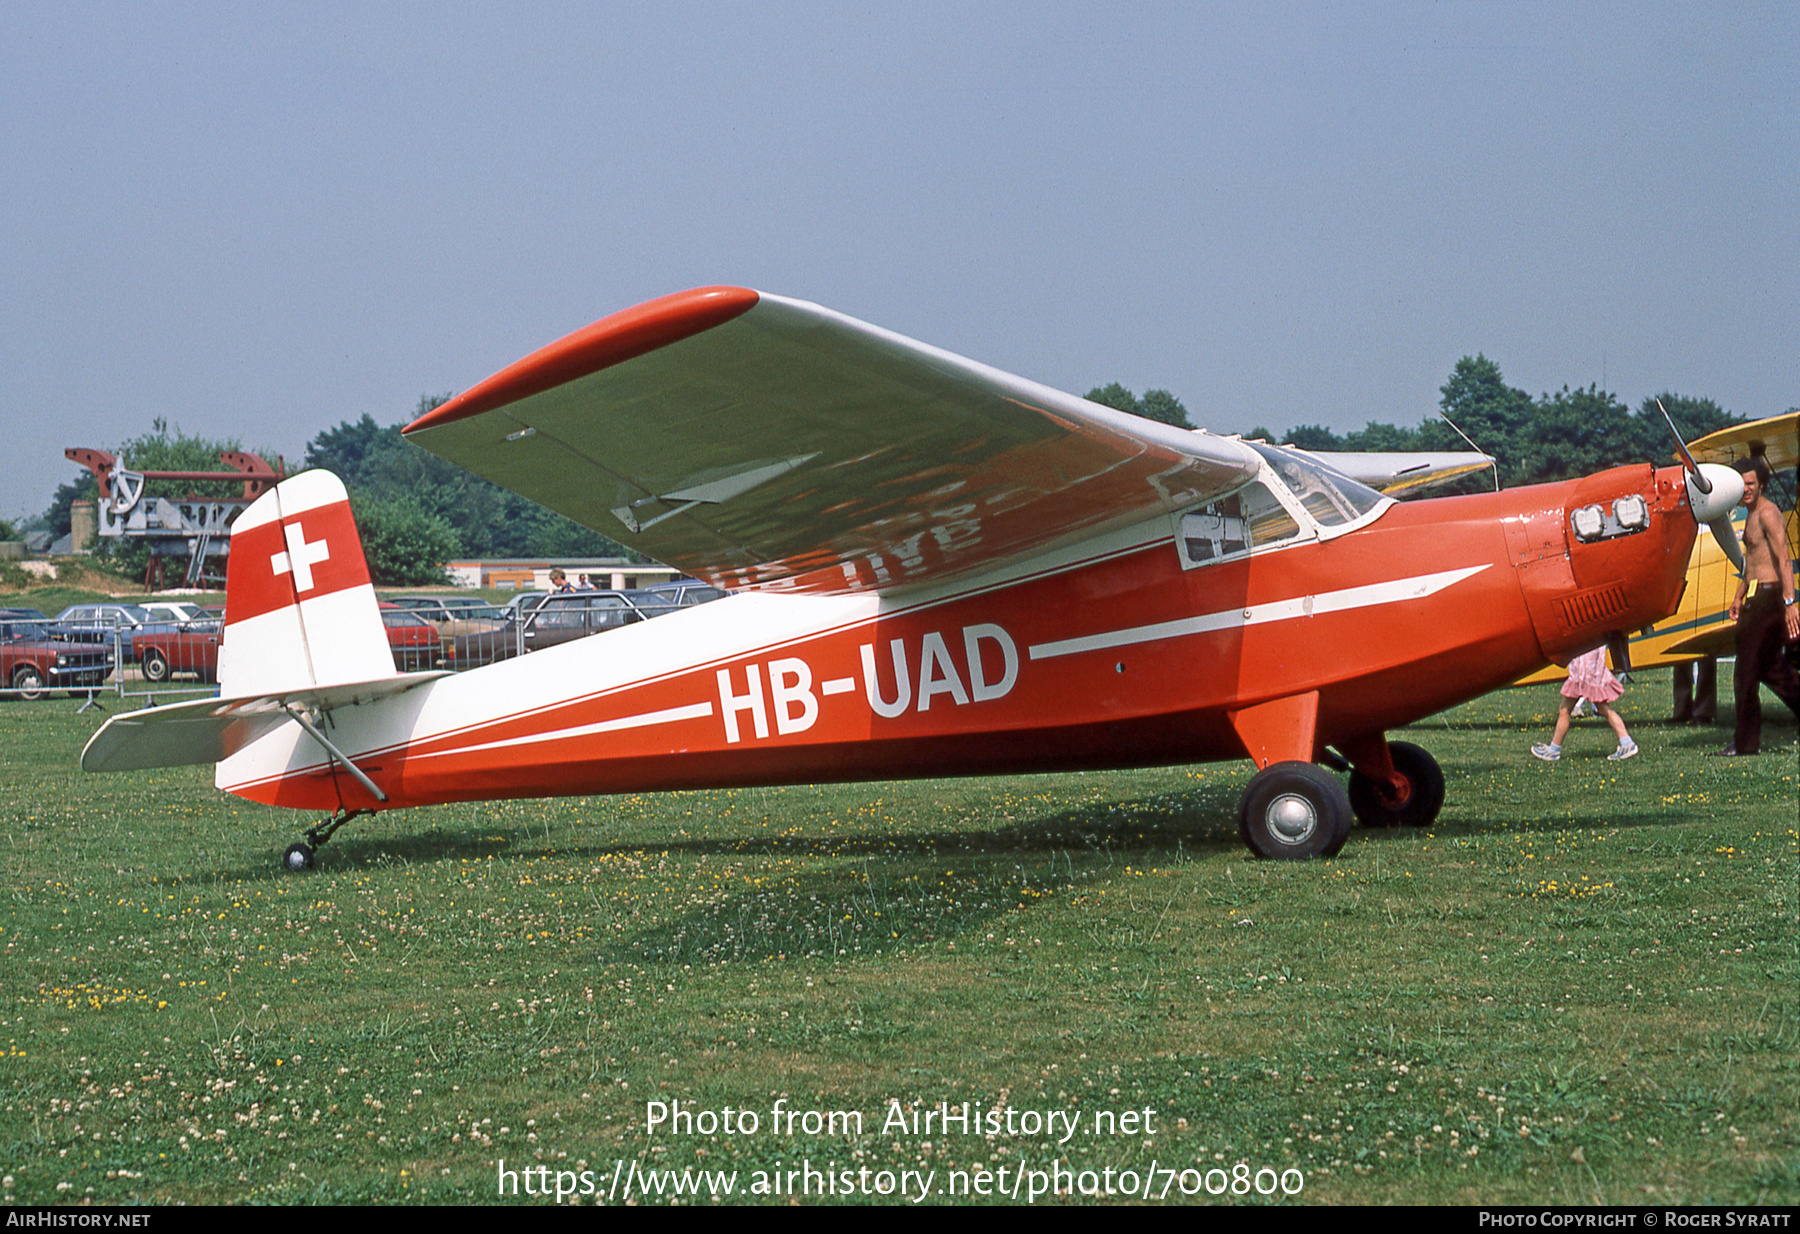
(1479,402)
(1157,405)
(1314,437)
(484,520)
(55,518)
(1573,432)
(1163,406)
(1115,396)
(345,450)
(1384,438)
(404,546)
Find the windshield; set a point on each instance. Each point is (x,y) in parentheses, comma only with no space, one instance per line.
(1332,499)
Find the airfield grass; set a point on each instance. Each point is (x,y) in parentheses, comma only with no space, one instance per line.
(1578,986)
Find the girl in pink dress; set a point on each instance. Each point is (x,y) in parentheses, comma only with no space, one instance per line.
(1589,679)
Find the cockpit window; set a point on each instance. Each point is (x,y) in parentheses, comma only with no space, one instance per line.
(1317,501)
(1330,498)
(1247,519)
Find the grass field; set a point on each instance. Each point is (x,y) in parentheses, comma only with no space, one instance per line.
(1579,986)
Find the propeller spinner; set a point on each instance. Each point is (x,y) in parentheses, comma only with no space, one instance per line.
(1713,493)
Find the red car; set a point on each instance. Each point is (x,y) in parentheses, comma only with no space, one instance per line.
(413,640)
(33,663)
(193,647)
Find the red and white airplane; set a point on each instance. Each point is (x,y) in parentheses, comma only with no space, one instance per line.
(940,569)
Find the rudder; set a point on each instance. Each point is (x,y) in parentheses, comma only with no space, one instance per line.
(300,610)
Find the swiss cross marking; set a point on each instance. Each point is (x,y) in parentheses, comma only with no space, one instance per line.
(300,557)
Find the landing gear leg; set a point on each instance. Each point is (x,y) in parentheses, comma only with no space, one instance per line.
(301,856)
(1395,784)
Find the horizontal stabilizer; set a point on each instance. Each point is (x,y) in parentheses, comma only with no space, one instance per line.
(210,730)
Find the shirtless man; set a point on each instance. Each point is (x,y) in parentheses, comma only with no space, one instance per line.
(1764,611)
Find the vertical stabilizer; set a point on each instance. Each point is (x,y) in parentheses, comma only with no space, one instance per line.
(299,608)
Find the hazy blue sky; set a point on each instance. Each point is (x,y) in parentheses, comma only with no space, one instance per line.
(259,223)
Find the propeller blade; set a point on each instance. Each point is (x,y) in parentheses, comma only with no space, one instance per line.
(1713,493)
(1726,535)
(1696,479)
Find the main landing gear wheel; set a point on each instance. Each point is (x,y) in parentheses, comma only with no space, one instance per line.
(1292,811)
(304,855)
(1416,805)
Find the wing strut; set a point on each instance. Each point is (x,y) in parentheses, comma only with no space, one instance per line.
(305,722)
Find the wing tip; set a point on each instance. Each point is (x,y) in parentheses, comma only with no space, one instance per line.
(612,340)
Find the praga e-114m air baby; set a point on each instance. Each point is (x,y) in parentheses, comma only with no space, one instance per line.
(937,569)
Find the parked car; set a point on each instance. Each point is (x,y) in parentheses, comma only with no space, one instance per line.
(523,602)
(176,611)
(34,663)
(97,623)
(190,647)
(413,640)
(679,593)
(193,647)
(570,615)
(440,610)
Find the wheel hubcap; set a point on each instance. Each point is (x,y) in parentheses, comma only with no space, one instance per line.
(1292,818)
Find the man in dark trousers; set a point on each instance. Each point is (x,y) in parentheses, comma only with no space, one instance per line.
(1764,611)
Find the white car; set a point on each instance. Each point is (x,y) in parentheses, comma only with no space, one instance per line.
(173,610)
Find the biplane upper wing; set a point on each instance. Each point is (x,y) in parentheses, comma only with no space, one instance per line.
(1777,439)
(753,440)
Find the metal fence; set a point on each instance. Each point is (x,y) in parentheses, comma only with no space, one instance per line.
(107,655)
(41,659)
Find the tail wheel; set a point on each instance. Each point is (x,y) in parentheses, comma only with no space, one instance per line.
(1417,805)
(298,857)
(156,666)
(29,682)
(1293,811)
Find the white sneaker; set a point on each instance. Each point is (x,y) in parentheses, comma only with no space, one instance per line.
(1551,754)
(1627,749)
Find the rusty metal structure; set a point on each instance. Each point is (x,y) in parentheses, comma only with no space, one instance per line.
(197,528)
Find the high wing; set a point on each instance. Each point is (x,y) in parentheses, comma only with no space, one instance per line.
(757,441)
(1397,472)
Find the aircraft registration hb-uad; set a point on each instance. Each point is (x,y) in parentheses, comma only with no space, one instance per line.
(939,569)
